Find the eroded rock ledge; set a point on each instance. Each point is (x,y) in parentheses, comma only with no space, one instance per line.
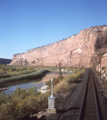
(79,50)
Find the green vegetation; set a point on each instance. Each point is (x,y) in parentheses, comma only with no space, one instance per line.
(29,76)
(22,103)
(66,83)
(13,74)
(4,75)
(16,74)
(13,69)
(103,68)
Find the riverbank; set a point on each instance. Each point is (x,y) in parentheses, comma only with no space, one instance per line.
(22,103)
(2,89)
(37,83)
(5,82)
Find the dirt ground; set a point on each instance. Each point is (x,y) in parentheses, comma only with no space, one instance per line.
(68,104)
(101,85)
(69,107)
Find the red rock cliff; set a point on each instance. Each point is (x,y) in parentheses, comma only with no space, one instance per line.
(79,50)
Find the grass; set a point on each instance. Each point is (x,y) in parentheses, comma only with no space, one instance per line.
(4,75)
(68,82)
(29,76)
(22,103)
(55,81)
(64,84)
(15,74)
(13,69)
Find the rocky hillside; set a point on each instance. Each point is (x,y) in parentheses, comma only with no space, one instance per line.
(80,50)
(5,61)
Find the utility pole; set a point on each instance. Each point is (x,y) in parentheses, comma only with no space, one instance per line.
(100,66)
(95,63)
(60,71)
(100,63)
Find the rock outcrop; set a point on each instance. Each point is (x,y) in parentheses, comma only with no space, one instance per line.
(80,50)
(43,89)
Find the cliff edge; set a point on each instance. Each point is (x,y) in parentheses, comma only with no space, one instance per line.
(79,50)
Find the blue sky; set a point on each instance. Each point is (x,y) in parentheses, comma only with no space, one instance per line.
(27,24)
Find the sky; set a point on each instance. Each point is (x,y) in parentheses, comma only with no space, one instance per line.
(27,24)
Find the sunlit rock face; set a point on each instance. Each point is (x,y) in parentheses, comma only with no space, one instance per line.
(79,50)
(104,61)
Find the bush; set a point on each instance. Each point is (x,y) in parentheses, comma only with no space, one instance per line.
(4,75)
(74,78)
(22,103)
(103,68)
(29,76)
(62,86)
(66,84)
(55,81)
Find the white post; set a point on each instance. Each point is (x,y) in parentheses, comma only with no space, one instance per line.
(51,101)
(51,87)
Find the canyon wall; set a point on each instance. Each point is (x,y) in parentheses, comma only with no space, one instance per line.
(80,50)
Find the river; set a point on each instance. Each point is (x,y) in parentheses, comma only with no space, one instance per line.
(38,83)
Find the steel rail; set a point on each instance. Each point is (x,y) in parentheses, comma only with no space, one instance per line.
(98,103)
(84,99)
(83,110)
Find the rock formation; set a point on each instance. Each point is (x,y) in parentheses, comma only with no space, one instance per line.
(80,50)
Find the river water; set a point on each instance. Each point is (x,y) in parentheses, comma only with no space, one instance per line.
(38,83)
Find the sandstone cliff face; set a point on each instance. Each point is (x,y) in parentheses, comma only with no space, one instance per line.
(79,50)
(103,61)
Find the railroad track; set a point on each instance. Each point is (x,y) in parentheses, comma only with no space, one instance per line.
(84,103)
(90,109)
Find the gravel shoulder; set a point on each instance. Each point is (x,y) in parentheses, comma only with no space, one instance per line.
(102,91)
(69,106)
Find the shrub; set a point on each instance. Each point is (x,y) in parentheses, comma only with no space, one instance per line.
(29,76)
(66,84)
(4,75)
(62,86)
(103,68)
(74,78)
(22,103)
(55,81)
